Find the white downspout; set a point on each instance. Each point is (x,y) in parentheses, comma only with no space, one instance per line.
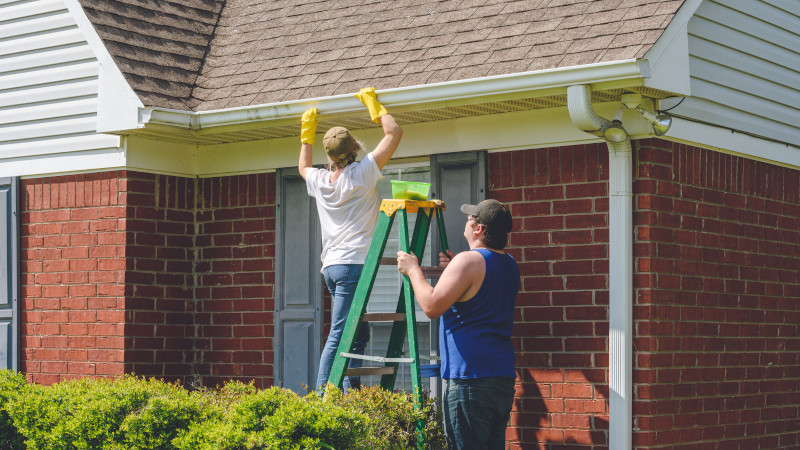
(620,272)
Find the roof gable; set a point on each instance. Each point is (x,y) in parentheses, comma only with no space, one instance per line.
(203,55)
(159,46)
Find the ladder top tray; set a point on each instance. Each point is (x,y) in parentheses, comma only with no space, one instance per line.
(391,205)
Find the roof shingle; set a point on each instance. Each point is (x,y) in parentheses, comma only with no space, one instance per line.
(214,54)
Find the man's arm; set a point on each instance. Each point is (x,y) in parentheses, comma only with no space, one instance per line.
(385,149)
(460,281)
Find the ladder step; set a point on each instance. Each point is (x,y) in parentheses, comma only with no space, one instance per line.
(384,317)
(370,371)
(377,358)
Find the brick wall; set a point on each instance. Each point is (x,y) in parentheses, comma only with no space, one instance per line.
(156,275)
(559,201)
(187,268)
(72,289)
(160,303)
(717,310)
(236,278)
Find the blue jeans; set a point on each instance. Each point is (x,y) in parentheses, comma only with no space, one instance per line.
(341,280)
(476,412)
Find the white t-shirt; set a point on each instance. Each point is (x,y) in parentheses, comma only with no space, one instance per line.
(348,210)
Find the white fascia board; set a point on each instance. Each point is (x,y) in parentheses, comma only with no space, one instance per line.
(436,95)
(669,56)
(728,141)
(118,105)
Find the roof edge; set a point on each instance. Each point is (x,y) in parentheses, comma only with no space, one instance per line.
(451,93)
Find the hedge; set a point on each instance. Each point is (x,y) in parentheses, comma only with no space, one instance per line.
(136,413)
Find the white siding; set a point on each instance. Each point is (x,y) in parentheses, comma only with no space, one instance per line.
(48,91)
(744,64)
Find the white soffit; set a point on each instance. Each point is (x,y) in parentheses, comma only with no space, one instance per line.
(510,131)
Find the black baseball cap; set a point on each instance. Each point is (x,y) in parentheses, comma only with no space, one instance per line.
(491,213)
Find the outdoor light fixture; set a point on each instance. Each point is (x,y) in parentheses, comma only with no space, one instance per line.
(660,123)
(614,132)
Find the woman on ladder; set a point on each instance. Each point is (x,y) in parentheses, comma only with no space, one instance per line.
(347,199)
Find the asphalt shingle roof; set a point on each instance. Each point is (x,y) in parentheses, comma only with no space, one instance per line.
(158,45)
(215,54)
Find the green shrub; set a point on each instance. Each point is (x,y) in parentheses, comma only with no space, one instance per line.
(393,418)
(278,418)
(133,413)
(88,413)
(163,418)
(312,423)
(11,385)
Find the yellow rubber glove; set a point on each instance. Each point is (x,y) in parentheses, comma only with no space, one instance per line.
(368,98)
(308,126)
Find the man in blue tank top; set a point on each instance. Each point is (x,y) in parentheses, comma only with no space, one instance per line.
(475,299)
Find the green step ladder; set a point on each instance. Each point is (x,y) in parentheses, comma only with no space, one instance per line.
(404,319)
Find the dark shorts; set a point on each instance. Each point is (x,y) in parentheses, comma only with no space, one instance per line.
(476,412)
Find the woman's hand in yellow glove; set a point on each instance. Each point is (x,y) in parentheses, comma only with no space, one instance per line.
(370,100)
(308,126)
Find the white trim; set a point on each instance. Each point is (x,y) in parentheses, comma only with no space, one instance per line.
(669,56)
(118,104)
(729,141)
(99,160)
(157,156)
(59,144)
(451,93)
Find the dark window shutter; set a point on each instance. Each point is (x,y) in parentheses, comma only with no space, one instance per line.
(9,273)
(298,284)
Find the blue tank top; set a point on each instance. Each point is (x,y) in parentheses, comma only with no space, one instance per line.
(475,335)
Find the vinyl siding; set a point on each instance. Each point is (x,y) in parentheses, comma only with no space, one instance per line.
(744,64)
(48,90)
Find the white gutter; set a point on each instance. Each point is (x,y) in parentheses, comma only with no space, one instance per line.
(620,272)
(451,93)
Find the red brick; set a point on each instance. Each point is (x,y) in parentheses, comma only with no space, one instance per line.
(81,368)
(572,237)
(51,216)
(74,277)
(73,355)
(53,291)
